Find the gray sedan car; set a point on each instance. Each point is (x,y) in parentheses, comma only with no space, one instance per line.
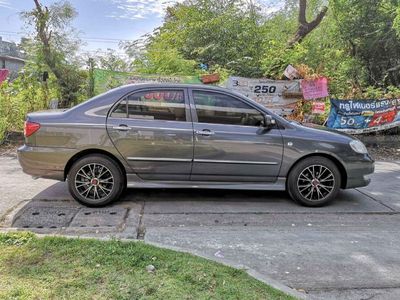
(187,136)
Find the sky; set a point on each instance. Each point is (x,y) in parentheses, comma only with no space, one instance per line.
(101,23)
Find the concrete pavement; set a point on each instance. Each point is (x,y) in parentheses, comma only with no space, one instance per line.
(348,250)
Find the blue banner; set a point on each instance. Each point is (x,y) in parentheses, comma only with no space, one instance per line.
(361,116)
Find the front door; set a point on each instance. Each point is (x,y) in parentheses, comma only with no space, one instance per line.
(152,130)
(230,145)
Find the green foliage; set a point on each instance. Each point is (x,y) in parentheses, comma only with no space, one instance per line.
(396,24)
(355,46)
(166,62)
(110,61)
(321,50)
(16,238)
(389,92)
(223,33)
(55,45)
(367,29)
(25,94)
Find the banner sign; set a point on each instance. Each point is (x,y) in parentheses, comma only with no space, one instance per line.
(362,116)
(278,95)
(318,108)
(3,74)
(314,89)
(105,80)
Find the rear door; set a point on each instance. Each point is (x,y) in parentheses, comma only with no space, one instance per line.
(230,144)
(152,129)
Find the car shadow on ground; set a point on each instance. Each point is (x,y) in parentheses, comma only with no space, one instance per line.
(58,192)
(54,208)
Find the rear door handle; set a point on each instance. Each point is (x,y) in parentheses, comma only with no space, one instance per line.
(204,132)
(122,127)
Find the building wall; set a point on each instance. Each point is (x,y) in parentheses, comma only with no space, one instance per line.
(10,49)
(13,66)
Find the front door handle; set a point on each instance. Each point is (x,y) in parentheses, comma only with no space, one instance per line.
(204,132)
(122,127)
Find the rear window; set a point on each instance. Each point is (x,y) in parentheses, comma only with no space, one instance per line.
(168,105)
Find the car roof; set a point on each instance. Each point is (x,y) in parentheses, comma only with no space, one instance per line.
(172,85)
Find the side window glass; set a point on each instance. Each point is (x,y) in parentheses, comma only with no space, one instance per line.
(120,111)
(218,108)
(168,105)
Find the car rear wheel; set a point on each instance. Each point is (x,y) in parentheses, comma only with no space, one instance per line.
(314,181)
(95,180)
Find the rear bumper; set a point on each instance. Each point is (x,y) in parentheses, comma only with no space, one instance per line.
(44,162)
(358,171)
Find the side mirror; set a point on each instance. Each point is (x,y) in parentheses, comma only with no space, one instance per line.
(268,121)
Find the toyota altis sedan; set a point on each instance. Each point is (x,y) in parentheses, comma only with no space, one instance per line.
(188,136)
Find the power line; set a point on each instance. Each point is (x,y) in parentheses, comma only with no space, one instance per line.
(89,39)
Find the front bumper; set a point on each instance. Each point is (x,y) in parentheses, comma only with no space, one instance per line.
(358,171)
(44,162)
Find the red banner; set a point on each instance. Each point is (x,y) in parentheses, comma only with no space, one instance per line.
(3,74)
(318,108)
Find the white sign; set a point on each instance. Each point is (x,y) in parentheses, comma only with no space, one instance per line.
(278,95)
(291,72)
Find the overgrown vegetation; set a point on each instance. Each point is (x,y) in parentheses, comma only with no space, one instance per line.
(59,268)
(25,94)
(356,44)
(55,47)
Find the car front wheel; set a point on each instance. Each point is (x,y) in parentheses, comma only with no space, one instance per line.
(95,180)
(314,181)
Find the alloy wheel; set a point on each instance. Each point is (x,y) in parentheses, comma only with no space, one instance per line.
(94,181)
(316,182)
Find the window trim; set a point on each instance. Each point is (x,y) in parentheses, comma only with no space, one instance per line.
(149,89)
(193,110)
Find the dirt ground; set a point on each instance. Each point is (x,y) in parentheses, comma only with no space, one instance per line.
(385,153)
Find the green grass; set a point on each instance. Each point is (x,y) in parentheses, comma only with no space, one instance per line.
(60,268)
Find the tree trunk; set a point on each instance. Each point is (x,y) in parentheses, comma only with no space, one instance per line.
(306,27)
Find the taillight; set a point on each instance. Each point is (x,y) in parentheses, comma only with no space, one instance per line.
(30,128)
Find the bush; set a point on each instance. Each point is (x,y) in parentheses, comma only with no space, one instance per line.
(18,98)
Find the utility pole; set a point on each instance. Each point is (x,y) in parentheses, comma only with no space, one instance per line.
(91,65)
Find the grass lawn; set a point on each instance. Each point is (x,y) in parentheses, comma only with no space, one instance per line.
(60,268)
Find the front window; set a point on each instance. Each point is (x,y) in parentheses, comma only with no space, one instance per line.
(217,108)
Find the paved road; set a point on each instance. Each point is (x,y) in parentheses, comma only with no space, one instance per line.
(348,250)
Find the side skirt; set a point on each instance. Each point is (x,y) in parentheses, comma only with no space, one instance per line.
(134,181)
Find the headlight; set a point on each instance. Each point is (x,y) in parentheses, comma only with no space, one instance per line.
(358,147)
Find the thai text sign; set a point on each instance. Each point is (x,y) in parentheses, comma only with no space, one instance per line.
(279,95)
(360,116)
(314,89)
(105,80)
(318,108)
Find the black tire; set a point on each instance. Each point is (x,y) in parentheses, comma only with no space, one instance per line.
(103,190)
(314,190)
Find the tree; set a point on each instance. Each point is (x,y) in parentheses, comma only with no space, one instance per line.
(157,58)
(368,28)
(111,61)
(55,45)
(304,27)
(215,33)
